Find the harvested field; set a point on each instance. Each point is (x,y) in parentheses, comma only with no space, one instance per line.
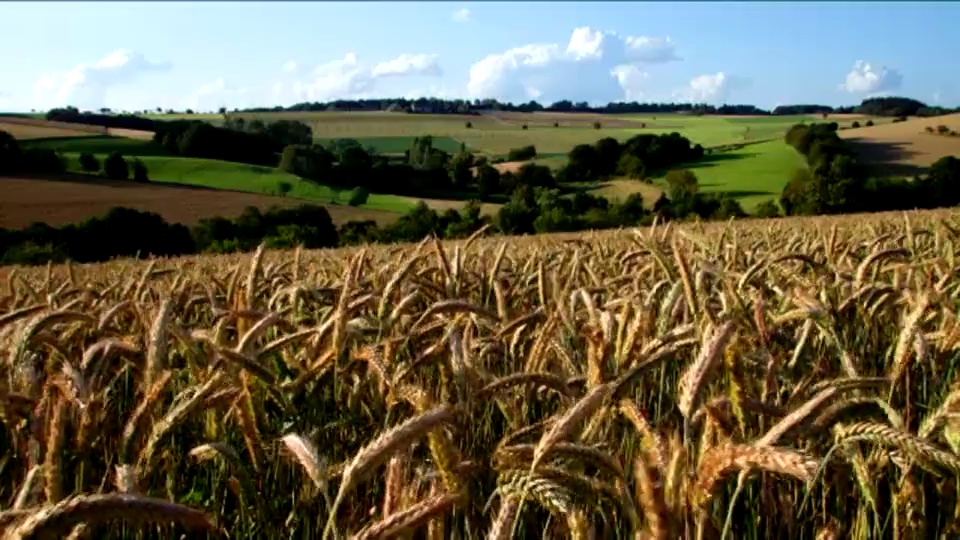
(904,148)
(582,120)
(71,199)
(138,134)
(30,128)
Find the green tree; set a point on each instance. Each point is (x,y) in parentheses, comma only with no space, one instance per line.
(631,166)
(358,196)
(767,209)
(488,180)
(115,167)
(681,184)
(10,154)
(89,162)
(608,154)
(461,174)
(139,171)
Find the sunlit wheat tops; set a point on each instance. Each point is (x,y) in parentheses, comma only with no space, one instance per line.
(788,379)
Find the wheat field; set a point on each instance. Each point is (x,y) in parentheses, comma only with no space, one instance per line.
(770,379)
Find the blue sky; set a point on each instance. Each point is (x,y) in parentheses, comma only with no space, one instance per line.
(131,56)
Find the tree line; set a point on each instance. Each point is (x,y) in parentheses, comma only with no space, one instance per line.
(836,181)
(17,160)
(425,170)
(530,210)
(882,106)
(879,106)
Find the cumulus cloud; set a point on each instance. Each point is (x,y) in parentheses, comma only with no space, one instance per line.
(653,50)
(215,94)
(86,85)
(461,15)
(349,78)
(290,66)
(631,80)
(713,88)
(867,79)
(408,64)
(594,65)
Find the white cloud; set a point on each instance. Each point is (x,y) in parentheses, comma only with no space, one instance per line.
(712,88)
(86,85)
(594,66)
(213,95)
(585,43)
(290,66)
(349,78)
(461,15)
(867,79)
(653,50)
(708,88)
(408,64)
(631,80)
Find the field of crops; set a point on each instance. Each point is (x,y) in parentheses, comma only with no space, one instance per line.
(496,133)
(770,379)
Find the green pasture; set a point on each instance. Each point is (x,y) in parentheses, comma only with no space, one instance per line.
(98,145)
(751,175)
(398,145)
(247,178)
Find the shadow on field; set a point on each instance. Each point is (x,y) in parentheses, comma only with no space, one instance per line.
(711,160)
(886,158)
(737,193)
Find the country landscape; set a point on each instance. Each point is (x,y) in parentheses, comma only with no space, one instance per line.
(523,312)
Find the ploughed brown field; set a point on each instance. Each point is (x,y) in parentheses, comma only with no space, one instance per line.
(33,128)
(70,199)
(905,148)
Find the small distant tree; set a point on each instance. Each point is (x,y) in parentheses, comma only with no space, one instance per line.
(284,187)
(524,127)
(115,167)
(469,125)
(767,209)
(488,179)
(855,124)
(556,124)
(942,129)
(139,171)
(597,125)
(929,129)
(89,162)
(681,185)
(869,123)
(358,196)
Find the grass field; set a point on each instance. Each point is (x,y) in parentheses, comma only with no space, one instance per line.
(496,133)
(751,174)
(101,144)
(398,145)
(226,175)
(68,199)
(791,378)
